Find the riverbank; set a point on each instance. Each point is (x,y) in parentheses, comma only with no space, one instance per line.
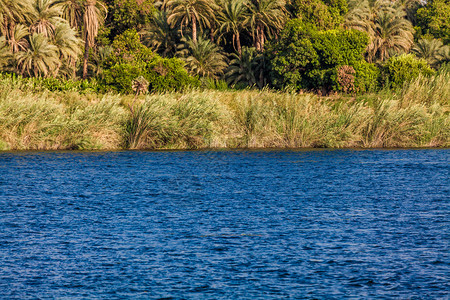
(415,116)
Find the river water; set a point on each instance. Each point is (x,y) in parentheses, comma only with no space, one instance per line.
(328,224)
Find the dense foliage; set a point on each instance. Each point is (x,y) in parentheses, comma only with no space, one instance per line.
(306,58)
(434,19)
(404,68)
(317,45)
(131,60)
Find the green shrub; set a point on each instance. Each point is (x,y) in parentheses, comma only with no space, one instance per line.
(404,68)
(366,76)
(132,59)
(340,47)
(62,85)
(293,56)
(120,76)
(305,58)
(37,84)
(168,74)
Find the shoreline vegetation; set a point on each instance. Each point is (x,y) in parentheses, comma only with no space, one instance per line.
(214,74)
(416,115)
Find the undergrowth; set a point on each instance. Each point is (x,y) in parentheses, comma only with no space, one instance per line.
(416,115)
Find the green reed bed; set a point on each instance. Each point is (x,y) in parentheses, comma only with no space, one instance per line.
(415,116)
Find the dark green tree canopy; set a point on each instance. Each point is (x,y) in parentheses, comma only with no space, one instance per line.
(131,60)
(305,58)
(434,19)
(126,14)
(324,14)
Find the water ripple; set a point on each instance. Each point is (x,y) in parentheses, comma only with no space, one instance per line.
(225,224)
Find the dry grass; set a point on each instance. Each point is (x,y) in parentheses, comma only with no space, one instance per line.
(417,116)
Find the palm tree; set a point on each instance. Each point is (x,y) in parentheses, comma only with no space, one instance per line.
(410,7)
(18,38)
(444,55)
(244,68)
(93,18)
(69,46)
(5,53)
(72,11)
(266,17)
(100,58)
(204,58)
(40,59)
(385,23)
(191,11)
(44,15)
(12,12)
(159,36)
(429,49)
(393,33)
(232,18)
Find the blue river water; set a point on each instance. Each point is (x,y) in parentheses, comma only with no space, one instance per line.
(327,224)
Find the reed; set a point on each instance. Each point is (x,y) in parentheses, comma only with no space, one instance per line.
(171,121)
(53,121)
(415,116)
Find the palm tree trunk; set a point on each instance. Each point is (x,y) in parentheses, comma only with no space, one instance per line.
(194,28)
(258,38)
(85,60)
(238,43)
(260,35)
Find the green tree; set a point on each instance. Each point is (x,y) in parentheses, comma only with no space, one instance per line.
(434,18)
(294,56)
(266,18)
(323,15)
(159,35)
(93,18)
(40,59)
(193,12)
(69,46)
(131,59)
(204,58)
(306,58)
(126,14)
(244,69)
(18,38)
(232,18)
(72,11)
(100,59)
(44,15)
(403,68)
(11,13)
(429,49)
(388,29)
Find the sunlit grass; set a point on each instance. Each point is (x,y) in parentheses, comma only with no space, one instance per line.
(416,116)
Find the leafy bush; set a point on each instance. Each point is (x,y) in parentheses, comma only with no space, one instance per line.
(50,83)
(404,68)
(132,59)
(366,76)
(340,47)
(55,84)
(326,14)
(305,58)
(434,18)
(294,56)
(345,79)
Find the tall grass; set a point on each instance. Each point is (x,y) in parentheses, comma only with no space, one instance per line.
(54,121)
(171,121)
(415,116)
